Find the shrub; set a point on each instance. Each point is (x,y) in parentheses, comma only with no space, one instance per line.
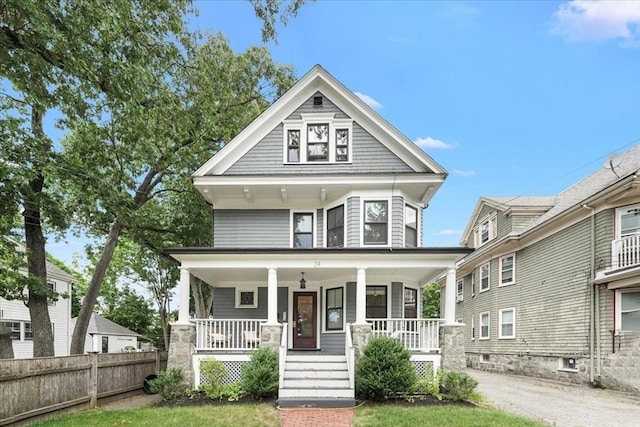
(169,384)
(214,372)
(430,384)
(384,370)
(260,375)
(232,392)
(456,386)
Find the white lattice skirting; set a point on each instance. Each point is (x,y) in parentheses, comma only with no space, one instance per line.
(233,363)
(426,364)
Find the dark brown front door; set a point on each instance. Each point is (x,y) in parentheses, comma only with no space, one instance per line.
(305,320)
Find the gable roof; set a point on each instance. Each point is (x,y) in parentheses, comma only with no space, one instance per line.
(102,326)
(318,79)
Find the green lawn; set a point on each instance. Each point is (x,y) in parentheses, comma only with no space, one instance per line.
(254,415)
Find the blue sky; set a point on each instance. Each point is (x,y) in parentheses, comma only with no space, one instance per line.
(512,98)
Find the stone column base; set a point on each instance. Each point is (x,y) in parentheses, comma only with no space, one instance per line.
(360,335)
(270,337)
(452,347)
(182,343)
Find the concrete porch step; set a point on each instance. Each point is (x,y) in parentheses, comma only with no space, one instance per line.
(291,402)
(321,358)
(338,374)
(319,383)
(315,366)
(316,393)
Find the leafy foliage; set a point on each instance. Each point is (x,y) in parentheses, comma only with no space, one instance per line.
(214,372)
(457,386)
(260,375)
(232,392)
(169,384)
(384,370)
(431,301)
(429,384)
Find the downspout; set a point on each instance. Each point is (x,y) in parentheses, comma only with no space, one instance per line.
(592,304)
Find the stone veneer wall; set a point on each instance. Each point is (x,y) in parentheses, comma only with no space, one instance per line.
(452,347)
(621,370)
(181,348)
(270,336)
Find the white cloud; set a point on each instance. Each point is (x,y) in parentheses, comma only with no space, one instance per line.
(463,172)
(581,20)
(429,142)
(449,232)
(369,101)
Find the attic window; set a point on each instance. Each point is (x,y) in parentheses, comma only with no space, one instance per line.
(317,138)
(317,101)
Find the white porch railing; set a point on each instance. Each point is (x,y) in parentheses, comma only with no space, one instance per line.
(282,356)
(415,334)
(625,252)
(227,334)
(349,353)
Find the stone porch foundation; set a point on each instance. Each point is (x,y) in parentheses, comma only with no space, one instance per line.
(270,336)
(452,347)
(360,334)
(182,344)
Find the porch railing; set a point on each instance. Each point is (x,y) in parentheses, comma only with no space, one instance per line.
(282,356)
(415,334)
(349,353)
(625,252)
(227,334)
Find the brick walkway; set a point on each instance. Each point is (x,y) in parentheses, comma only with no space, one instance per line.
(316,417)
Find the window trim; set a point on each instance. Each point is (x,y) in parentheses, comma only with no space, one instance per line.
(618,308)
(513,270)
(488,265)
(302,124)
(473,283)
(460,290)
(387,302)
(325,305)
(52,286)
(325,215)
(292,214)
(491,220)
(488,337)
(404,224)
(363,202)
(238,302)
(500,324)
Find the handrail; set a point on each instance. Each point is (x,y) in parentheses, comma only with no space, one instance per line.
(282,355)
(625,252)
(415,334)
(349,353)
(227,334)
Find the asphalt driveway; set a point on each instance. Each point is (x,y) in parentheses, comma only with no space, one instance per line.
(558,403)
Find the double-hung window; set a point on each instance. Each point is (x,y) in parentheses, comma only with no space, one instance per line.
(302,229)
(460,290)
(507,270)
(629,312)
(473,328)
(318,142)
(51,288)
(335,227)
(342,145)
(486,230)
(293,145)
(410,226)
(507,323)
(335,309)
(376,222)
(485,319)
(317,138)
(484,276)
(28,331)
(410,303)
(376,302)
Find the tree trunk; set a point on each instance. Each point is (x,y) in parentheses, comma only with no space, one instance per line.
(6,343)
(202,297)
(93,290)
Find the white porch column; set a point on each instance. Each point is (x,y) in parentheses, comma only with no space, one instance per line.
(361,296)
(450,297)
(272,296)
(183,296)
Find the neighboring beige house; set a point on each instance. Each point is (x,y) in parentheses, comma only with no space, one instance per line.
(552,288)
(15,317)
(105,336)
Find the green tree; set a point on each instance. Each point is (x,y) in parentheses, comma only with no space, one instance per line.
(128,309)
(431,301)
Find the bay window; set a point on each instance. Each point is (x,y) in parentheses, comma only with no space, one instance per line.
(335,227)
(410,226)
(376,220)
(303,230)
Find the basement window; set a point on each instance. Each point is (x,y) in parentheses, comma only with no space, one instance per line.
(568,364)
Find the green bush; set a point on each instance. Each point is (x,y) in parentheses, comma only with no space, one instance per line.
(384,370)
(260,375)
(430,384)
(169,384)
(232,392)
(456,386)
(214,372)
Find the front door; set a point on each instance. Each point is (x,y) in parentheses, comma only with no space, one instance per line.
(305,323)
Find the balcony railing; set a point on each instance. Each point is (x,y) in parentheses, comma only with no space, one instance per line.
(227,334)
(625,252)
(415,334)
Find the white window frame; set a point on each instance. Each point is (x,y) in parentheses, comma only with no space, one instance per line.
(619,212)
(500,323)
(52,286)
(563,364)
(473,283)
(404,224)
(618,305)
(302,126)
(239,291)
(460,290)
(473,328)
(488,265)
(492,223)
(513,269)
(325,217)
(488,314)
(324,308)
(313,212)
(369,199)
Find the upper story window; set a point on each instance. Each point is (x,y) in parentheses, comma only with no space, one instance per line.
(302,229)
(52,288)
(486,230)
(628,221)
(335,227)
(460,290)
(376,222)
(484,276)
(410,226)
(318,138)
(507,270)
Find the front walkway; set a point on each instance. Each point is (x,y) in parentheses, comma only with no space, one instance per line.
(556,403)
(316,417)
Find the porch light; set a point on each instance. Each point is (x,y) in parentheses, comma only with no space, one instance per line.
(303,283)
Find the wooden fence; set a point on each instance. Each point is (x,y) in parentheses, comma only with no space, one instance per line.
(34,387)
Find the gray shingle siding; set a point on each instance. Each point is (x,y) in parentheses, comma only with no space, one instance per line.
(520,222)
(605,234)
(319,228)
(351,302)
(308,107)
(353,221)
(504,225)
(224,300)
(333,342)
(397,221)
(251,228)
